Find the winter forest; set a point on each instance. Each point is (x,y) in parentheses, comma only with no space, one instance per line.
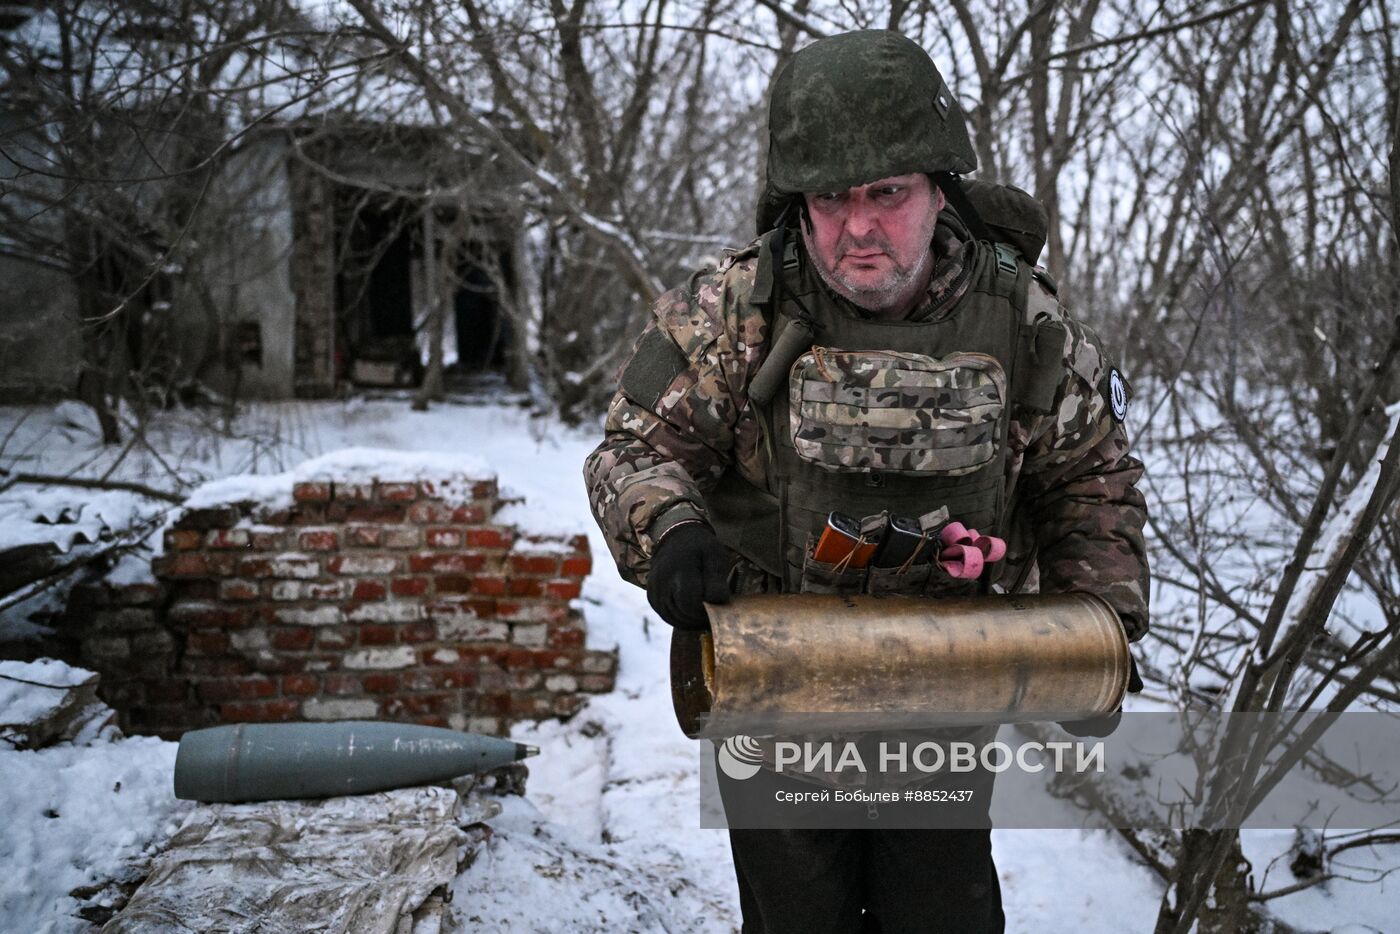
(237,236)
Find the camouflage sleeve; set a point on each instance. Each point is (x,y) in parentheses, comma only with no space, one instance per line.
(674,423)
(1079,487)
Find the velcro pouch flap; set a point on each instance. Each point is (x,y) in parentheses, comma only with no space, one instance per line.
(864,411)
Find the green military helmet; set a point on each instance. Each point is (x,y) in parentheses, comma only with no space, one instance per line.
(850,109)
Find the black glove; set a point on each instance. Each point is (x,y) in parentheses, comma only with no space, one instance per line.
(1106,724)
(688,569)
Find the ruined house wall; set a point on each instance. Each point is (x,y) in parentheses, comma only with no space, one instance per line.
(376,600)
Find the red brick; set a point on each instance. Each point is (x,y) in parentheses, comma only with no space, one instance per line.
(451,609)
(485,489)
(491,538)
(448,584)
(273,711)
(596,684)
(418,632)
(471,514)
(489,585)
(256,688)
(397,611)
(369,590)
(497,703)
(382,513)
(565,637)
(362,536)
(266,540)
(425,679)
(429,513)
(524,587)
(530,705)
(227,538)
(402,536)
(576,567)
(443,538)
(459,678)
(563,589)
(207,642)
(238,590)
(396,492)
(426,562)
(363,564)
(565,705)
(335,637)
(381,683)
(182,540)
(311,492)
(273,663)
(516,659)
(482,655)
(419,704)
(439,656)
(293,639)
(525,679)
(353,492)
(555,660)
(285,567)
(438,678)
(378,635)
(531,612)
(409,586)
(207,616)
(305,514)
(432,720)
(525,563)
(181,564)
(343,684)
(318,540)
(300,685)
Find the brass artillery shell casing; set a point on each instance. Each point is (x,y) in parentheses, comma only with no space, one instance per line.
(787,663)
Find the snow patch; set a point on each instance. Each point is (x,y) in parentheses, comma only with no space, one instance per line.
(454,474)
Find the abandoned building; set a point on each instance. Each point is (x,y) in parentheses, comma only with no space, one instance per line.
(305,270)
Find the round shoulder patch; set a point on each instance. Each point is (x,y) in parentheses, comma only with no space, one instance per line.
(1117,394)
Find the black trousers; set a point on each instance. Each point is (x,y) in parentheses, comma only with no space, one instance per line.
(864,881)
(858,869)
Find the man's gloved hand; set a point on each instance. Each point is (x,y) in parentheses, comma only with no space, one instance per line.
(1106,724)
(688,569)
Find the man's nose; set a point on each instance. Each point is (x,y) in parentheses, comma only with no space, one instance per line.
(861,217)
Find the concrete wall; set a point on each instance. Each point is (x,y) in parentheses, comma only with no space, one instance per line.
(245,265)
(40,344)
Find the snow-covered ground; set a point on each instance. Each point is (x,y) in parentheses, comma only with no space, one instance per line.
(607,838)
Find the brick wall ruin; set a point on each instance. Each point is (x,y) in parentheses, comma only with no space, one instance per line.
(373,600)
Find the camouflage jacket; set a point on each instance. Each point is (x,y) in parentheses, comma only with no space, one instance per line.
(1077,509)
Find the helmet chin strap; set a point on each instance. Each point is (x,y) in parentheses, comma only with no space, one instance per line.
(953,191)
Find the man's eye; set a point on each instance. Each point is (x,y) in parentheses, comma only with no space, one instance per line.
(828,197)
(890,191)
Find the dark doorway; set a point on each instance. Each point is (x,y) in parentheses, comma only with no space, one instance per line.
(483,328)
(377,241)
(389,295)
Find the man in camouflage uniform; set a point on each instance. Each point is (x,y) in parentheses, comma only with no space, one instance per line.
(866,142)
